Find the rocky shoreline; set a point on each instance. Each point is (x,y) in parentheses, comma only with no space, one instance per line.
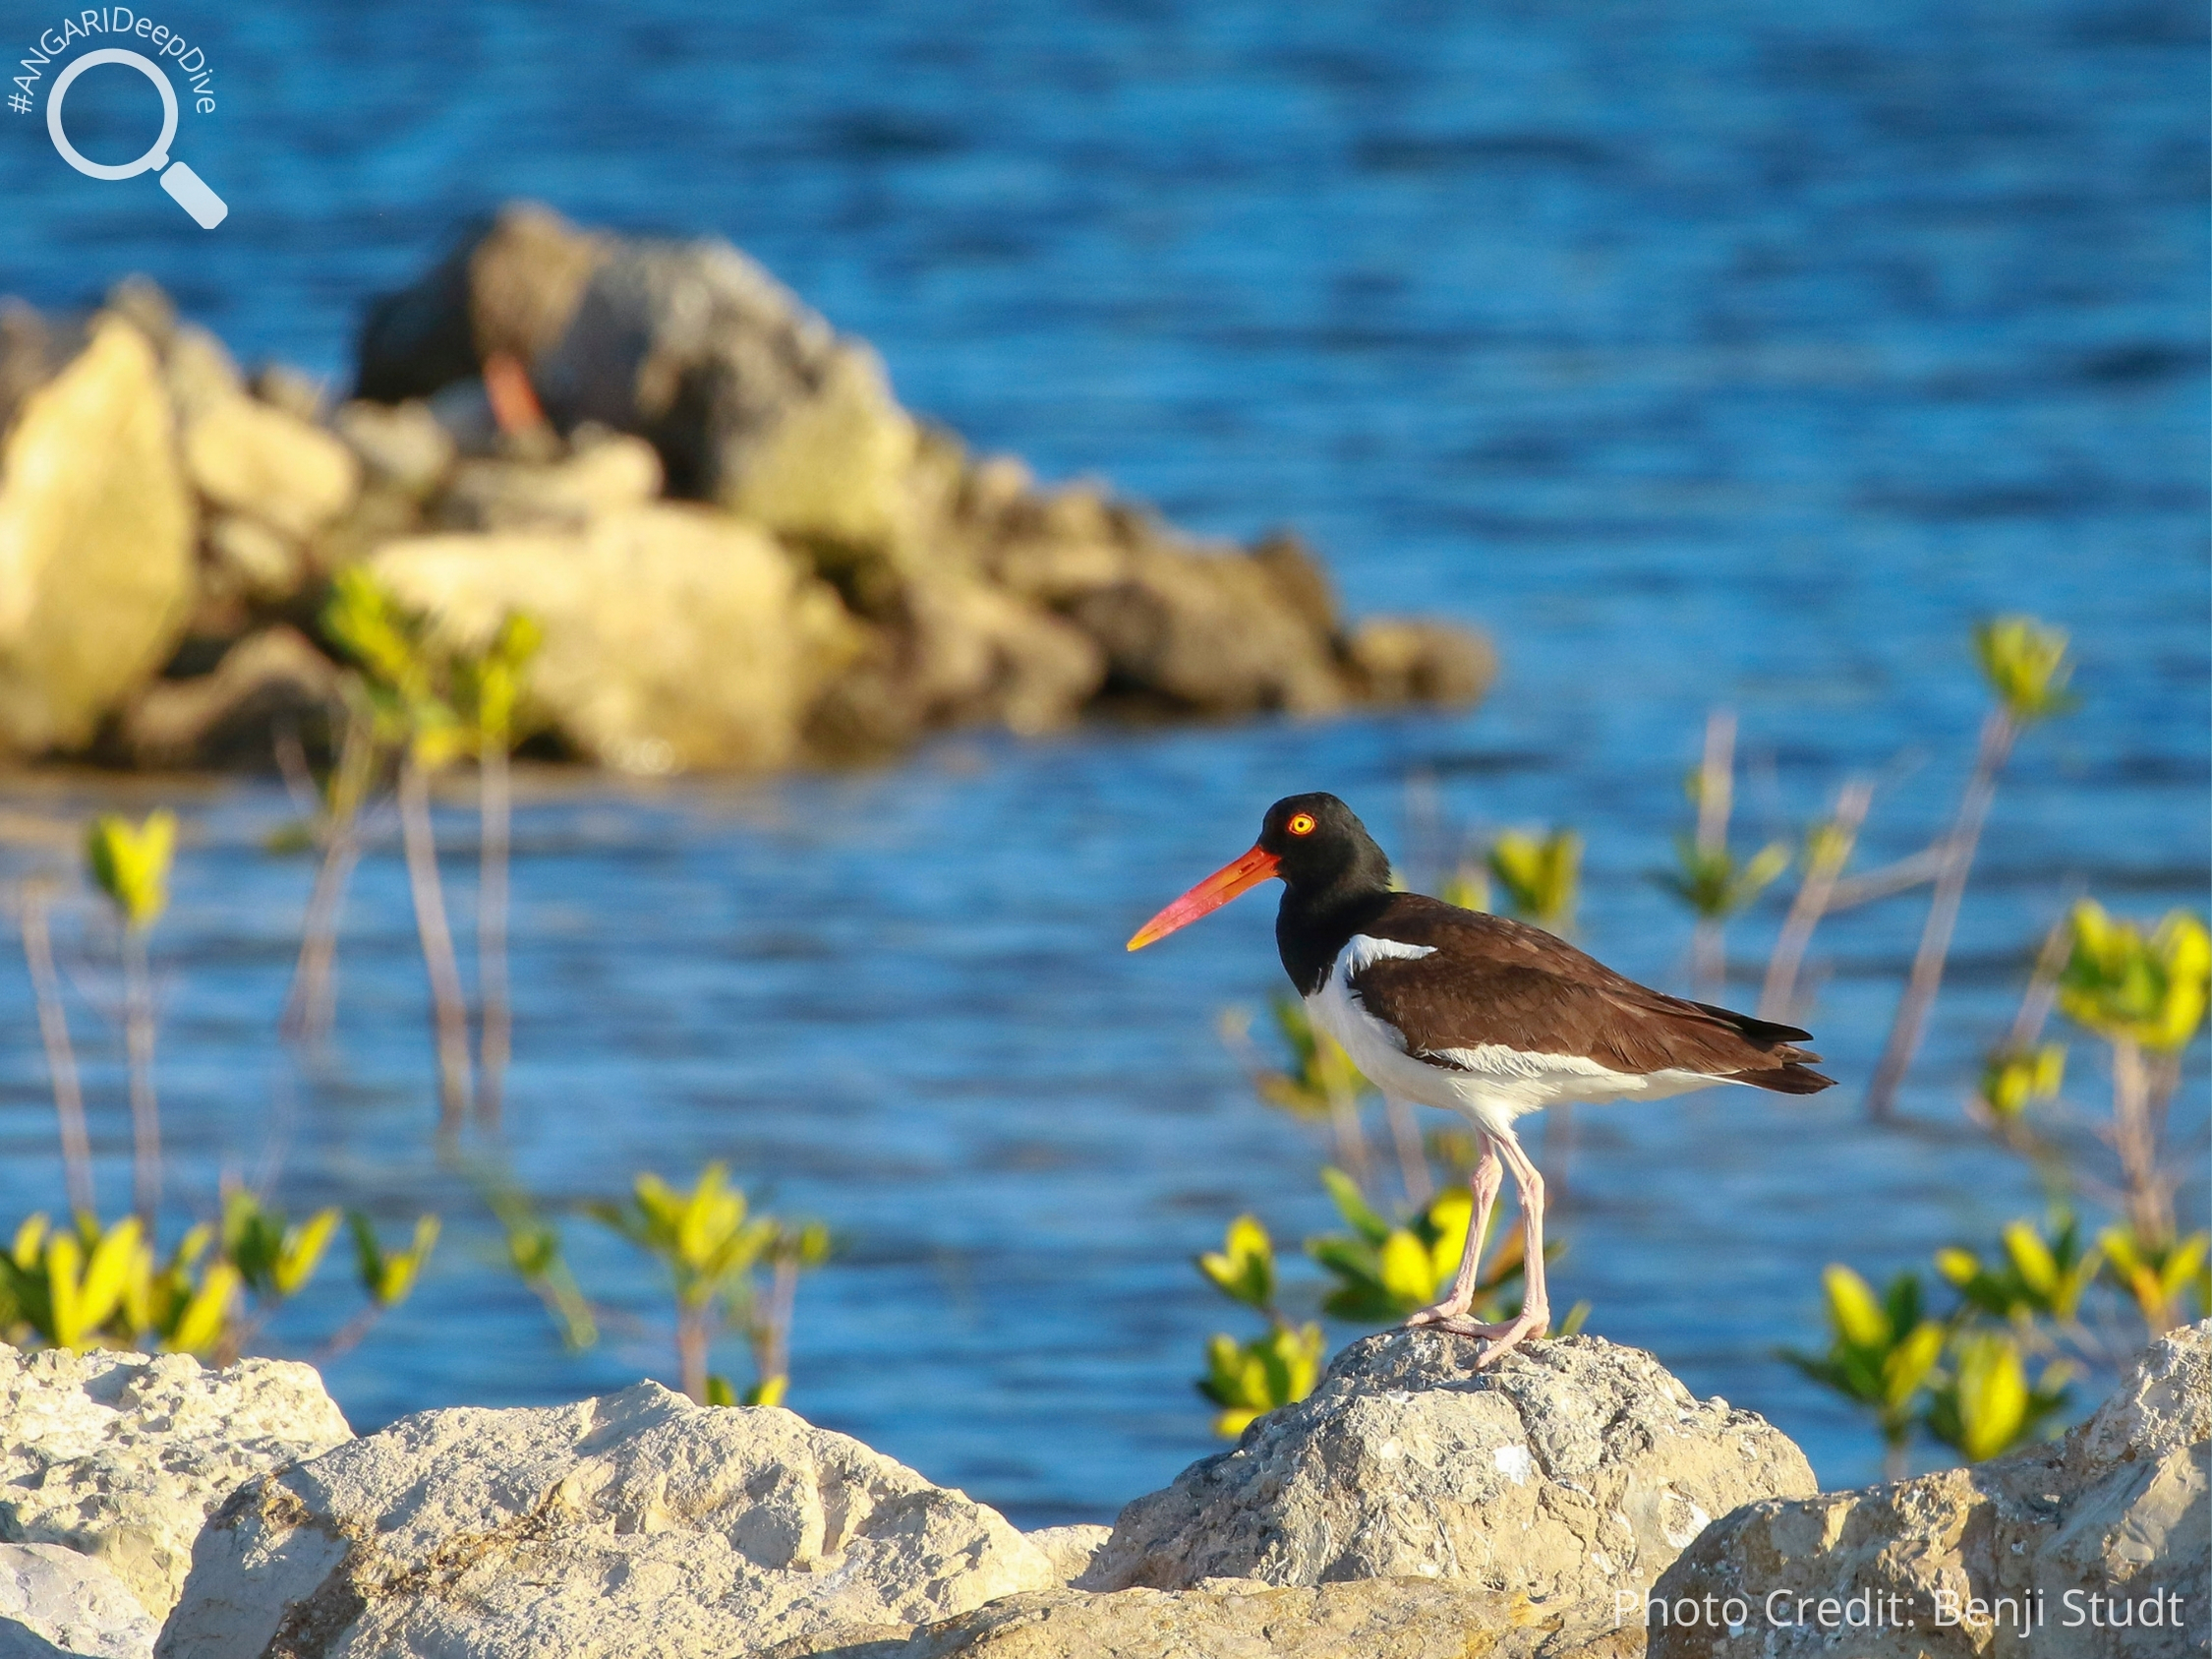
(743,552)
(1410,1507)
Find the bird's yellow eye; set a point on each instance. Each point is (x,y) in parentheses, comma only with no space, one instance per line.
(1301,823)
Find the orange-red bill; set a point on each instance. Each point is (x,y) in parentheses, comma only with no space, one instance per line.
(1210,893)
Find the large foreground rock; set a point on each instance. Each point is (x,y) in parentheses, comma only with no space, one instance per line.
(2000,1561)
(121,1456)
(96,533)
(638,1525)
(1366,1618)
(55,1600)
(1575,1471)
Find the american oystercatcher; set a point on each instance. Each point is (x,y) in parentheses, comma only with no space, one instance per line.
(1478,1015)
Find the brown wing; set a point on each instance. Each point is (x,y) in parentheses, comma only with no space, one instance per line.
(1494,980)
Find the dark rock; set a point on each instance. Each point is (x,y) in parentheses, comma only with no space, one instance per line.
(229,718)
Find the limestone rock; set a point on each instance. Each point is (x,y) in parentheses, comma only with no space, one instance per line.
(752,398)
(401,446)
(250,458)
(1212,633)
(1574,1471)
(32,351)
(2117,1510)
(1071,1549)
(54,1600)
(613,472)
(638,1524)
(1406,660)
(120,1457)
(1233,1619)
(229,716)
(95,543)
(675,636)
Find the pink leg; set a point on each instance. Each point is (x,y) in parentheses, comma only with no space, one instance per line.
(1451,1313)
(1535,1318)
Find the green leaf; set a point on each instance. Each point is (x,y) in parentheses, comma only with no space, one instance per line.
(1244,1269)
(2025,664)
(131,864)
(1354,1207)
(2126,987)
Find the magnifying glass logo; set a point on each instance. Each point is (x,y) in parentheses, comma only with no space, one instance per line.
(186,187)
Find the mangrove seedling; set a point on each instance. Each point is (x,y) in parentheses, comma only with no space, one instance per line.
(87,1286)
(1981,1403)
(490,686)
(709,1246)
(276,1258)
(2026,667)
(766,1317)
(1320,1084)
(340,799)
(1540,875)
(130,866)
(2145,995)
(1708,877)
(1880,1354)
(535,1253)
(2154,1274)
(2035,1277)
(413,716)
(32,899)
(1828,849)
(387,1276)
(1249,1379)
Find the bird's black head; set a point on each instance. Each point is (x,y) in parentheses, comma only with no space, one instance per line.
(1320,851)
(1319,843)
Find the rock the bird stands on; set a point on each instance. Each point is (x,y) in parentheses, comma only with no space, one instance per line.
(1477,1015)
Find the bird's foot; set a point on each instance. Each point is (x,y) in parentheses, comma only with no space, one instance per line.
(1444,1317)
(1505,1338)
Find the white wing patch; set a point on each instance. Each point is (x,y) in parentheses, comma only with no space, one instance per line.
(1496,1059)
(1491,1083)
(1361,952)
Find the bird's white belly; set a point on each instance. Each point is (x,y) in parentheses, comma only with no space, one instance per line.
(1492,1084)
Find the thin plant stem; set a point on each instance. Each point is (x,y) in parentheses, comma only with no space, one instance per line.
(1413,1161)
(312,1006)
(494,812)
(2135,1136)
(691,1351)
(1811,904)
(146,1111)
(1709,958)
(449,1009)
(61,1054)
(348,1335)
(1998,734)
(772,1338)
(1351,1138)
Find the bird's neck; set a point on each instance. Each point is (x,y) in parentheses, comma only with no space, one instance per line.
(1314,922)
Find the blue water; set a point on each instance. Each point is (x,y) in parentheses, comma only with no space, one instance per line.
(1705,353)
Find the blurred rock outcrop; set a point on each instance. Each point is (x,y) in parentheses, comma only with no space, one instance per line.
(685,449)
(634,1524)
(2096,1546)
(95,543)
(676,637)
